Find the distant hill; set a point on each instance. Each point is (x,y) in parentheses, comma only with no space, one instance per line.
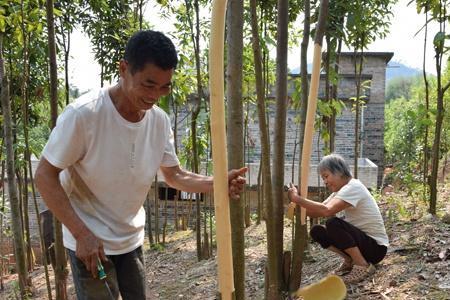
(394,69)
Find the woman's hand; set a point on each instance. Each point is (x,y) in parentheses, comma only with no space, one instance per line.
(292,193)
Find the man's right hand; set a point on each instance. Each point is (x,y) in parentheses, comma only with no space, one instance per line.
(89,250)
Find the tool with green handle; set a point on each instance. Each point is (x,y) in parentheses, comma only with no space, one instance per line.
(102,277)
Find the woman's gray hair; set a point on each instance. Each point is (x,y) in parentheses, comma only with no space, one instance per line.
(335,164)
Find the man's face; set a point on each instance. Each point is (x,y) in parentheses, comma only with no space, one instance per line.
(144,88)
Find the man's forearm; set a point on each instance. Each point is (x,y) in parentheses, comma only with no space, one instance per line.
(58,203)
(190,182)
(196,183)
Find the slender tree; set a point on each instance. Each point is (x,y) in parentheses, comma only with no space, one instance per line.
(273,266)
(61,262)
(138,13)
(279,138)
(149,221)
(195,36)
(334,36)
(427,108)
(300,232)
(24,96)
(156,201)
(358,59)
(2,214)
(66,22)
(235,128)
(440,11)
(19,247)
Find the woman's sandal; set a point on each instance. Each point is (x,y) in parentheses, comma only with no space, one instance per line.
(344,268)
(359,273)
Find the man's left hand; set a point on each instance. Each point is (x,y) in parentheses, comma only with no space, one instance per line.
(236,182)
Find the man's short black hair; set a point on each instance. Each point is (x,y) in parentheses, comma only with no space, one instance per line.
(148,46)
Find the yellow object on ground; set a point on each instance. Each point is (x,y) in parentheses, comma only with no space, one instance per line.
(331,287)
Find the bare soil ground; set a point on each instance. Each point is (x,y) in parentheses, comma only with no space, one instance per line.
(417,265)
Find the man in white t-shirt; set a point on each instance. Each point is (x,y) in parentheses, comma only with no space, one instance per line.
(359,237)
(98,164)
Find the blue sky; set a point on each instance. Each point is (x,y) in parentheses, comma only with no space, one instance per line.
(402,40)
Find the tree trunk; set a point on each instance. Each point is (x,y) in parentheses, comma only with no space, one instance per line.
(66,69)
(195,36)
(175,141)
(166,195)
(438,130)
(435,149)
(26,220)
(189,212)
(177,196)
(198,218)
(211,204)
(327,119)
(138,14)
(24,190)
(66,48)
(300,232)
(235,137)
(156,186)
(279,138)
(60,268)
(334,95)
(17,231)
(194,125)
(149,221)
(358,70)
(311,112)
(260,195)
(273,263)
(2,266)
(206,245)
(52,61)
(207,238)
(247,200)
(41,236)
(427,109)
(27,156)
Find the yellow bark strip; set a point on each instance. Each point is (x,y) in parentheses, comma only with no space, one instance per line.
(309,132)
(309,126)
(219,150)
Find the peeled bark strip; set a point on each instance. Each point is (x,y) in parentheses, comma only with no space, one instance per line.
(312,105)
(219,146)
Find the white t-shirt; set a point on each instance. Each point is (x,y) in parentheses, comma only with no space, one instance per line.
(109,164)
(363,212)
